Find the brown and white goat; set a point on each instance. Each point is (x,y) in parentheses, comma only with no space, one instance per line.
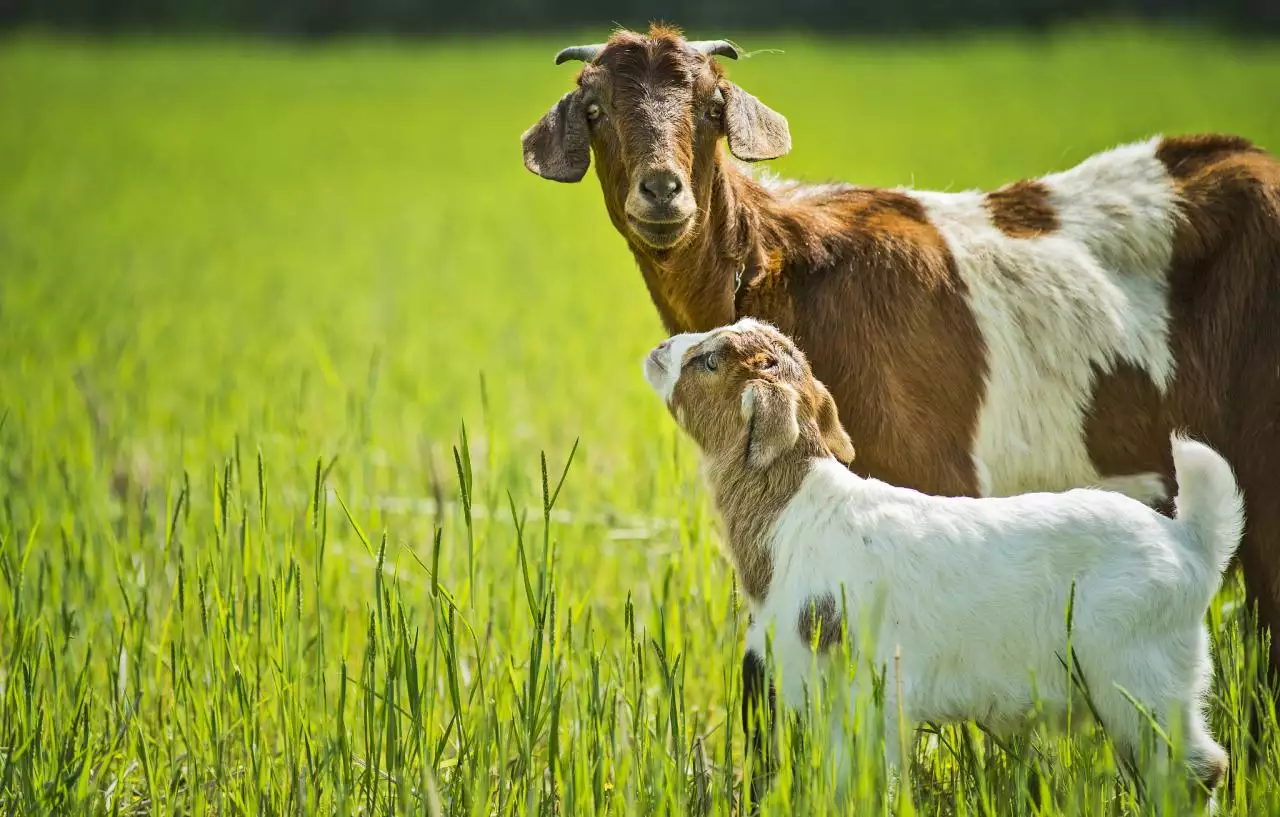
(1046,335)
(824,553)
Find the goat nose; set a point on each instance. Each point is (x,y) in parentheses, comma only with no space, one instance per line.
(660,187)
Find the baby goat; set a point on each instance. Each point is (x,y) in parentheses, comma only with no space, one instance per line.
(973,592)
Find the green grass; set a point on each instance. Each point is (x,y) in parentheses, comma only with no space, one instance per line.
(249,560)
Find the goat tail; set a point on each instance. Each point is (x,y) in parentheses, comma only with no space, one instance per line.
(1209,503)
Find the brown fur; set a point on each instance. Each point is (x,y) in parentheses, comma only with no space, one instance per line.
(821,624)
(710,406)
(1225,300)
(1126,429)
(1022,209)
(868,288)
(906,368)
(1225,332)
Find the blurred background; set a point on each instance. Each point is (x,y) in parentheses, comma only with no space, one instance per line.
(286,330)
(434,17)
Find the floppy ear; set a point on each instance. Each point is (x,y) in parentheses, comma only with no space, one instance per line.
(834,437)
(558,146)
(755,132)
(772,428)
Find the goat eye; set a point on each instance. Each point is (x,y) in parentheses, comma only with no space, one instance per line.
(593,112)
(710,362)
(769,363)
(717,105)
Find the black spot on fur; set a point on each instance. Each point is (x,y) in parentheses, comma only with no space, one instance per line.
(757,692)
(759,707)
(820,622)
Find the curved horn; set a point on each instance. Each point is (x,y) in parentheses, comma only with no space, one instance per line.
(585,53)
(716,48)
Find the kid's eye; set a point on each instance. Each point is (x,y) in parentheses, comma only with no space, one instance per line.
(710,362)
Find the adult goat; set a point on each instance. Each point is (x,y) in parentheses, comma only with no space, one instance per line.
(1047,335)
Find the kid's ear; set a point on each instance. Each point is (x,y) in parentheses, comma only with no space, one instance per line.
(834,437)
(770,413)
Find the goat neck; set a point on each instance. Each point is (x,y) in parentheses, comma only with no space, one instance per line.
(750,500)
(695,284)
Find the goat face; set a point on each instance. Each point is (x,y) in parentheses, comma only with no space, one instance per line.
(652,109)
(745,391)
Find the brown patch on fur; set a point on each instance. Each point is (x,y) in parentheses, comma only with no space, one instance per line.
(1126,429)
(1187,156)
(867,286)
(709,406)
(1224,301)
(882,311)
(820,624)
(1022,209)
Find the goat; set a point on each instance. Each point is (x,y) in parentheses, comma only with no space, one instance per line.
(809,538)
(1047,335)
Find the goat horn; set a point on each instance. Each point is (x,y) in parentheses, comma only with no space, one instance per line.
(585,53)
(716,48)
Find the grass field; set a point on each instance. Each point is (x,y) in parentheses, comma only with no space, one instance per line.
(250,560)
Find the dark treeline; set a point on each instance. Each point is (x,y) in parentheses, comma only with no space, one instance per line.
(312,18)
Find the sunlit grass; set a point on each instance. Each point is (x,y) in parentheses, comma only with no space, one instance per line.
(251,562)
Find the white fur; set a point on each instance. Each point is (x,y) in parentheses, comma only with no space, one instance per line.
(662,366)
(1053,308)
(973,594)
(1146,487)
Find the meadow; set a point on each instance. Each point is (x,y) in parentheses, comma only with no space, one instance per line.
(329,482)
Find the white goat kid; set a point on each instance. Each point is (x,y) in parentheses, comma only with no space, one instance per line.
(972,592)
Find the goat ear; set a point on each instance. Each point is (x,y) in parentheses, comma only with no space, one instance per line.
(558,146)
(772,427)
(834,437)
(755,132)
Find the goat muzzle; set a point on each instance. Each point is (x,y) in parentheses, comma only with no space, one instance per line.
(660,208)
